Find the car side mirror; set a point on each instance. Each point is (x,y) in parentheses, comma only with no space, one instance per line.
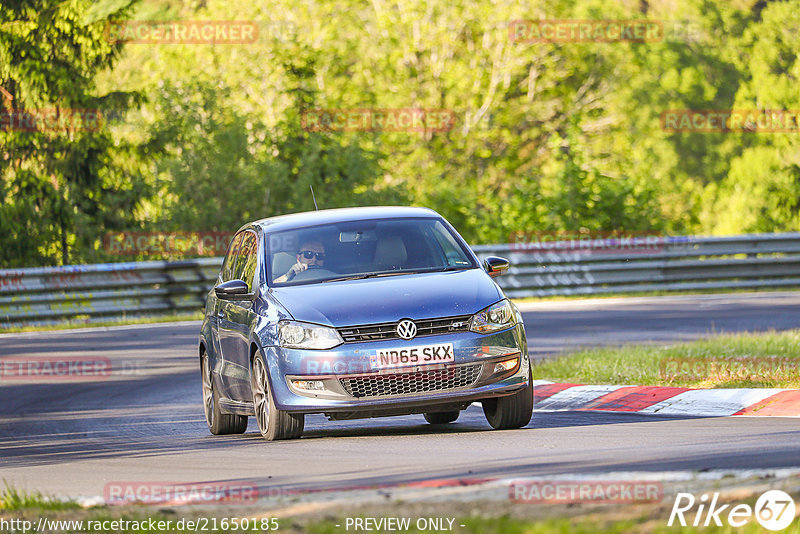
(495,266)
(232,289)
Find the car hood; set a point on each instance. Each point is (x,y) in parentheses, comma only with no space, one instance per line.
(383,300)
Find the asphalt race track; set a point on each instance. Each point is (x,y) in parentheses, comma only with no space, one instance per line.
(144,422)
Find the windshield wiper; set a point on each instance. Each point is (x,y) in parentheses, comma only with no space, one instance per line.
(343,278)
(448,268)
(371,275)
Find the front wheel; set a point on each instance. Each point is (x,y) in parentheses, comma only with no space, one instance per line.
(218,422)
(273,423)
(513,411)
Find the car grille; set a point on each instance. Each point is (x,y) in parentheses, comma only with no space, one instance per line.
(407,383)
(425,327)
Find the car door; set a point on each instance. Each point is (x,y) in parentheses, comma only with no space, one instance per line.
(217,304)
(236,320)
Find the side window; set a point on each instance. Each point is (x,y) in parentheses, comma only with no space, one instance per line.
(230,259)
(248,259)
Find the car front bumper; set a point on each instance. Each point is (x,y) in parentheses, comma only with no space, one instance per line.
(348,384)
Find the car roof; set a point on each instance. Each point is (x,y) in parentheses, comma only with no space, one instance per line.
(312,218)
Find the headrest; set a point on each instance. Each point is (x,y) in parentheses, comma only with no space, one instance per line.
(281,263)
(390,253)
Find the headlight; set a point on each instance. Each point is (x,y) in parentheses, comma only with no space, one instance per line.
(295,335)
(496,317)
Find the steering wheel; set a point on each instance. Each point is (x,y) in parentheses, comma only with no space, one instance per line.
(313,272)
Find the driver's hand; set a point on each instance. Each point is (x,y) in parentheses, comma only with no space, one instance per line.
(298,267)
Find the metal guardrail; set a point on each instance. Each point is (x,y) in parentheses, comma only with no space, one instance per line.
(45,295)
(93,293)
(670,263)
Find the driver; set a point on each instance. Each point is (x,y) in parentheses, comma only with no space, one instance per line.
(311,254)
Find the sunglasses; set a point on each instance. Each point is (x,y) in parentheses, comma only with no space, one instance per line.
(307,254)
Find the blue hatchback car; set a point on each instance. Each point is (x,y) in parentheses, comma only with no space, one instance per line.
(359,312)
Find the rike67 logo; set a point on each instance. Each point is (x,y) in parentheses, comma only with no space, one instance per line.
(774,510)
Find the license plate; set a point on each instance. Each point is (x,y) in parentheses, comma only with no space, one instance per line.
(411,356)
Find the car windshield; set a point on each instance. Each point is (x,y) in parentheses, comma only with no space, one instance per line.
(364,249)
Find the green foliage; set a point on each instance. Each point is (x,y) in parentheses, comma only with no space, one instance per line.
(58,185)
(548,136)
(761,192)
(221,168)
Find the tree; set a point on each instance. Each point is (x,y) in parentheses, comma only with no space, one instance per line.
(58,183)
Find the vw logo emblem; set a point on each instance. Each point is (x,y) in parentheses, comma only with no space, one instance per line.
(406,329)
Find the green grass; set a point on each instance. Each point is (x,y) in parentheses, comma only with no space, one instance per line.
(765,360)
(13,500)
(83,323)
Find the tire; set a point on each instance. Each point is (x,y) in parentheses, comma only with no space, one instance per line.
(512,411)
(441,418)
(218,423)
(273,423)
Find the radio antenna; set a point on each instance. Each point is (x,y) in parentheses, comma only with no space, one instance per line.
(313,197)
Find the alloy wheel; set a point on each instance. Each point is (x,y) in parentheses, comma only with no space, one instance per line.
(208,392)
(261,394)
